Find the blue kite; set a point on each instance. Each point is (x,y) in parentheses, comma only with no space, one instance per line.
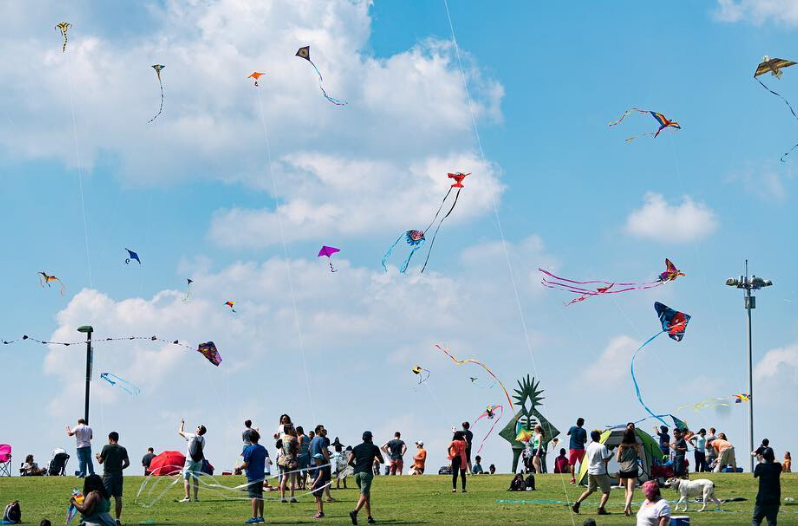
(121,383)
(131,256)
(415,239)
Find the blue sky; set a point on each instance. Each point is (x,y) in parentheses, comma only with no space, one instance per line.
(192,194)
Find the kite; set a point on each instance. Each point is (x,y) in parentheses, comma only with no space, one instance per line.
(304,52)
(448,353)
(45,279)
(230,304)
(710,403)
(774,67)
(72,510)
(209,351)
(423,374)
(64,27)
(131,256)
(189,281)
(674,323)
(458,183)
(256,75)
(663,122)
(414,239)
(158,68)
(742,397)
(121,383)
(328,251)
(524,435)
(489,414)
(606,287)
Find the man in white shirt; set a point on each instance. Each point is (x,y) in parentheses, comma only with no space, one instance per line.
(597,456)
(83,436)
(195,455)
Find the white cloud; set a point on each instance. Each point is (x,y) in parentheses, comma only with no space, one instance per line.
(611,366)
(660,221)
(783,360)
(757,12)
(765,181)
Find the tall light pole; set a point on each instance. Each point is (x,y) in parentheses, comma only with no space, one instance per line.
(87,330)
(748,285)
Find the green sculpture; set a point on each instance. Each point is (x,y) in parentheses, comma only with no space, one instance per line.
(527,418)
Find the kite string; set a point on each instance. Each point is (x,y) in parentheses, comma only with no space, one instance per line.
(278,213)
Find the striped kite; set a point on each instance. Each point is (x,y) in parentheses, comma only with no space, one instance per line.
(664,123)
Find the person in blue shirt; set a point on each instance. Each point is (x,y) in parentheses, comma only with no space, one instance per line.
(664,439)
(577,446)
(255,464)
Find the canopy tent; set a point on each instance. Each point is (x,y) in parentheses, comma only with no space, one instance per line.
(612,439)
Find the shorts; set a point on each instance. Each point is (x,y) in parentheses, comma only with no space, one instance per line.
(255,489)
(113,484)
(318,490)
(192,469)
(576,455)
(303,461)
(633,474)
(363,481)
(599,481)
(397,466)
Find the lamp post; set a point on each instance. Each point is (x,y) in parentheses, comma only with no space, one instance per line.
(87,330)
(748,285)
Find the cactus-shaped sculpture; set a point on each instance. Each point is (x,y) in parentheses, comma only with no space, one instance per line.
(528,397)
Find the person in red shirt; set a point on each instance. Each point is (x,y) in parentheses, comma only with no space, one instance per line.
(457,454)
(561,463)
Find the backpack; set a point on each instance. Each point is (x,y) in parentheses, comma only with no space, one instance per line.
(195,449)
(13,513)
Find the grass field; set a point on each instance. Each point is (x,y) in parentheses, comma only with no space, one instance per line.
(396,500)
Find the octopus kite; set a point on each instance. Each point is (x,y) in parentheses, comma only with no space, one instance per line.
(664,123)
(46,279)
(415,240)
(63,27)
(423,374)
(121,383)
(606,287)
(774,67)
(328,251)
(304,52)
(448,353)
(256,75)
(131,257)
(158,68)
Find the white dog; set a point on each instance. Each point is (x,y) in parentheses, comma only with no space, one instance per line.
(691,488)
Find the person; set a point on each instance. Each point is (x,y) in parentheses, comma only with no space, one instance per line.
(679,447)
(419,459)
(561,462)
(725,453)
(537,447)
(477,468)
(517,484)
(376,467)
(195,454)
(362,458)
(321,479)
(83,435)
(628,455)
(284,419)
(655,510)
(254,462)
(287,462)
(758,451)
(395,449)
(114,460)
(303,459)
(786,465)
(146,460)
(469,438)
(712,455)
(31,469)
(94,511)
(246,434)
(456,454)
(768,498)
(699,443)
(597,457)
(577,446)
(492,469)
(664,439)
(338,461)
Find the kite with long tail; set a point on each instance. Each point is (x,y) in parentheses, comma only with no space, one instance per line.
(674,323)
(423,374)
(46,279)
(63,27)
(587,289)
(158,68)
(489,414)
(121,383)
(448,353)
(709,403)
(304,52)
(774,67)
(664,123)
(458,183)
(415,240)
(189,281)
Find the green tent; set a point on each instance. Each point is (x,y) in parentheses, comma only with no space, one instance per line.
(612,439)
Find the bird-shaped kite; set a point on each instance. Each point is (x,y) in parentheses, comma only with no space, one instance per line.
(458,183)
(664,123)
(415,239)
(158,68)
(423,374)
(189,281)
(304,52)
(230,304)
(63,27)
(328,251)
(131,256)
(774,67)
(209,351)
(671,272)
(45,279)
(256,75)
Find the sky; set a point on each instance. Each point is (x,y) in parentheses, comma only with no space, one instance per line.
(237,188)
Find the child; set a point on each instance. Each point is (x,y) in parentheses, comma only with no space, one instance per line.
(338,461)
(664,439)
(561,463)
(254,461)
(492,469)
(376,467)
(786,466)
(518,483)
(476,469)
(321,480)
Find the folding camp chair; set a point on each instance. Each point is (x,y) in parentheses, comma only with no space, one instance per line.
(5,460)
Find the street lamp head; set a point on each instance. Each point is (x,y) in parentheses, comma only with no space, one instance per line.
(759,283)
(732,282)
(86,328)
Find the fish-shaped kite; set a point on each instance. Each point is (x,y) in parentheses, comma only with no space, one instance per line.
(63,27)
(664,123)
(328,251)
(209,351)
(131,257)
(304,52)
(256,75)
(158,68)
(774,67)
(45,279)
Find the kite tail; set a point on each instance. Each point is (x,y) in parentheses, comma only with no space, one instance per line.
(63,287)
(485,367)
(390,251)
(779,96)
(337,102)
(490,431)
(66,39)
(432,243)
(439,209)
(630,139)
(332,269)
(634,379)
(406,262)
(625,114)
(160,110)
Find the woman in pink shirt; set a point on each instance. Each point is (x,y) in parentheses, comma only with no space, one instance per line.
(457,454)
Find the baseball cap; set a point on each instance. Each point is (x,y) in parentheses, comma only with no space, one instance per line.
(367,435)
(420,443)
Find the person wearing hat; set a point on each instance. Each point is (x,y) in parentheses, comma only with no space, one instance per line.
(338,462)
(362,458)
(419,459)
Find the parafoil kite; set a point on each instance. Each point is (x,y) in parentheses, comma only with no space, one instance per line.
(63,27)
(45,279)
(131,257)
(256,75)
(448,353)
(606,287)
(209,351)
(415,240)
(674,323)
(158,68)
(664,123)
(423,374)
(123,384)
(328,251)
(774,67)
(489,414)
(187,295)
(304,52)
(230,304)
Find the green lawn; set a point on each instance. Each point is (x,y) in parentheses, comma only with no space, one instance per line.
(397,500)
